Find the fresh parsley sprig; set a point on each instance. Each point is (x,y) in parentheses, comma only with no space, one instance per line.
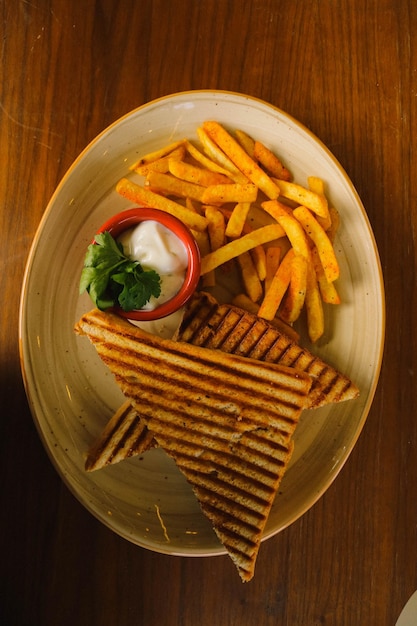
(111,278)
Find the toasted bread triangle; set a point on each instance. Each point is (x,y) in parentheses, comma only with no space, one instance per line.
(125,435)
(226,420)
(230,329)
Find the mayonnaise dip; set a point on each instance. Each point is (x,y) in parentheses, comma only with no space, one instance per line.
(158,248)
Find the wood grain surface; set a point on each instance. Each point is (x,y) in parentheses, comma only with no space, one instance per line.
(347,69)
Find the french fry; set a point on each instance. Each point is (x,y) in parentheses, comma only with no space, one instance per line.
(144,197)
(241,159)
(295,234)
(162,164)
(270,161)
(257,217)
(237,219)
(296,292)
(258,253)
(165,183)
(217,155)
(259,261)
(250,278)
(235,247)
(276,209)
(203,242)
(272,259)
(313,201)
(328,291)
(335,223)
(192,206)
(314,307)
(316,184)
(215,239)
(244,302)
(279,285)
(247,143)
(215,227)
(157,154)
(321,241)
(234,192)
(196,175)
(208,163)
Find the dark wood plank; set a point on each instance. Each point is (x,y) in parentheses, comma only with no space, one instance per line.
(347,69)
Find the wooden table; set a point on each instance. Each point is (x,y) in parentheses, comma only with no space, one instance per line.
(347,69)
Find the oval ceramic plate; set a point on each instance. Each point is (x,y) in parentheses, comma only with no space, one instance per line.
(71,393)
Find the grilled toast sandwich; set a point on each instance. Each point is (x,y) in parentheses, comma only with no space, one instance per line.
(226,420)
(231,329)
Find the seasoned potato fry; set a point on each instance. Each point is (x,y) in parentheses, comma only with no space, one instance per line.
(196,175)
(232,249)
(237,219)
(162,164)
(203,242)
(207,163)
(216,227)
(250,278)
(295,234)
(314,306)
(279,285)
(158,154)
(316,184)
(192,205)
(247,143)
(313,201)
(217,155)
(145,197)
(321,241)
(234,192)
(165,183)
(276,209)
(244,302)
(328,291)
(335,222)
(295,296)
(215,238)
(270,161)
(241,159)
(259,260)
(272,259)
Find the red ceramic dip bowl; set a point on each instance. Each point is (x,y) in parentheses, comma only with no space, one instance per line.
(120,222)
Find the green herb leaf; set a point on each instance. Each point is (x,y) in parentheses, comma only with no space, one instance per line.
(112,278)
(138,286)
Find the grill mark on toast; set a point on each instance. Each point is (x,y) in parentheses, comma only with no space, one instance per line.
(208,400)
(229,488)
(259,335)
(222,461)
(230,507)
(204,374)
(125,435)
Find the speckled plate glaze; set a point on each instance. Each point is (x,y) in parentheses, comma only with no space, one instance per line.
(72,395)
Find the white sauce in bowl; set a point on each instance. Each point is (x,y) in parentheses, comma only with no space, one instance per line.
(156,247)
